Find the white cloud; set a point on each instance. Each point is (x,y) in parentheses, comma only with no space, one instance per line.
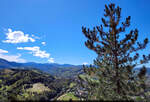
(17,37)
(51,60)
(12,58)
(3,51)
(43,43)
(35,51)
(85,63)
(36,37)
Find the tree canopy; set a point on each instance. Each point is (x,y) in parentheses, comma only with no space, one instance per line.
(117,56)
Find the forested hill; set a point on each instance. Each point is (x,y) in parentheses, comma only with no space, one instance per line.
(24,85)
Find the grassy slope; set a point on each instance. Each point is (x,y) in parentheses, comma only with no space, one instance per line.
(68,96)
(19,84)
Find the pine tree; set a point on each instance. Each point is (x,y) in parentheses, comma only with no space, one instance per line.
(112,76)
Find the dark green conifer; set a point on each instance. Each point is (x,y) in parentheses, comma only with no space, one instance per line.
(112,76)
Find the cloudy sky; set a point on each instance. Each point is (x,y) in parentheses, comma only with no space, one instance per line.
(49,31)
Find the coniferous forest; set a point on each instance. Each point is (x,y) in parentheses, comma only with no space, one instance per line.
(113,76)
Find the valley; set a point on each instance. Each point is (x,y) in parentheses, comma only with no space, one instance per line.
(49,82)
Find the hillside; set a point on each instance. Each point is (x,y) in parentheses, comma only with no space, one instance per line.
(32,84)
(23,85)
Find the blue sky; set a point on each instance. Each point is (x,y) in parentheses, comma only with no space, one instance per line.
(52,28)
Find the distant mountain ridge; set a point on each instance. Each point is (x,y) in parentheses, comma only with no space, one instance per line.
(4,63)
(62,70)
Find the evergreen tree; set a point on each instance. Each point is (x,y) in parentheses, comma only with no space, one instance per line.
(112,76)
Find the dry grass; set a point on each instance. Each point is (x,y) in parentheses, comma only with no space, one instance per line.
(7,71)
(39,88)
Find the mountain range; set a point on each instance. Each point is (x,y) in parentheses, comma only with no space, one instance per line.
(59,70)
